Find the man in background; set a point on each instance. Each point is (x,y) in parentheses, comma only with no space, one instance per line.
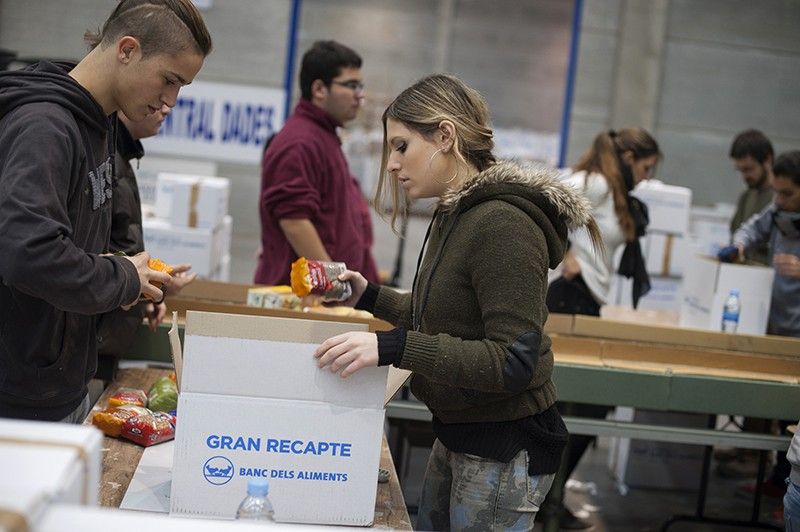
(753,156)
(310,204)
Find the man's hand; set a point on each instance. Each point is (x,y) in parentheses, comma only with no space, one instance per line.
(179,279)
(145,276)
(786,264)
(155,314)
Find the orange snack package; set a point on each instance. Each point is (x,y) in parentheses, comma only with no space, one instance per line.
(128,396)
(320,278)
(161,266)
(110,420)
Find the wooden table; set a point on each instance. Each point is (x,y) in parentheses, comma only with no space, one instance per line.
(120,459)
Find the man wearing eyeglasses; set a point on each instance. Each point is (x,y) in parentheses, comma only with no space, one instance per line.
(310,204)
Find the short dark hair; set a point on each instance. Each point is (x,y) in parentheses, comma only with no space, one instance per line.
(324,61)
(754,143)
(160,26)
(788,165)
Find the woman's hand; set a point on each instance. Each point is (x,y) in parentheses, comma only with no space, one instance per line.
(351,351)
(358,283)
(572,267)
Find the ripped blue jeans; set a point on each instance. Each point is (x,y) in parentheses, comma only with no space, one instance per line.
(467,492)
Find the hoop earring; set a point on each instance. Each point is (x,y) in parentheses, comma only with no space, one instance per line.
(430,161)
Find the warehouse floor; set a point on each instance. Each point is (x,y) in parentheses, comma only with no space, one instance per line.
(596,498)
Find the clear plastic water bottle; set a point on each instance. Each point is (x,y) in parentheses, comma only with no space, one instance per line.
(256,506)
(730,313)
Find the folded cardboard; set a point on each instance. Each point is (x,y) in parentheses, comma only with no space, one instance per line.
(707,284)
(668,206)
(199,246)
(255,404)
(231,298)
(61,460)
(192,201)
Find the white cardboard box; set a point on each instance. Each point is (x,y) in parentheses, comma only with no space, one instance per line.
(668,206)
(62,517)
(706,284)
(58,459)
(192,201)
(254,403)
(665,254)
(198,246)
(664,293)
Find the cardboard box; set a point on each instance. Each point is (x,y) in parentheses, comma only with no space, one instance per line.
(61,517)
(664,293)
(254,403)
(668,206)
(223,272)
(665,254)
(706,285)
(200,247)
(709,228)
(58,459)
(192,201)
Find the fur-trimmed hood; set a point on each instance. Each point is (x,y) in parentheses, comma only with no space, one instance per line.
(570,204)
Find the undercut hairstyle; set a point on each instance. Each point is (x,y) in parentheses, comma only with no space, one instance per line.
(161,27)
(324,61)
(788,165)
(754,143)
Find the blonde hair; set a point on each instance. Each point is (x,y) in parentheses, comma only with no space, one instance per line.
(603,157)
(421,108)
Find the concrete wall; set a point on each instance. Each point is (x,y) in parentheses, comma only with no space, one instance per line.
(692,71)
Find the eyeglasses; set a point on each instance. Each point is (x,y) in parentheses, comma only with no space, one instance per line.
(353,85)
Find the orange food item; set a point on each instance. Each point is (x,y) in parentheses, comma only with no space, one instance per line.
(128,396)
(160,266)
(111,420)
(319,278)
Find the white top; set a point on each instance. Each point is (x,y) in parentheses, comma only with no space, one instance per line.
(596,269)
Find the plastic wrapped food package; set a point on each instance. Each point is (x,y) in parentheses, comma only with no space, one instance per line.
(149,428)
(128,396)
(163,395)
(320,278)
(110,420)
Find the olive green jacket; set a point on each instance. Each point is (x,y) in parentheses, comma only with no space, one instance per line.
(475,316)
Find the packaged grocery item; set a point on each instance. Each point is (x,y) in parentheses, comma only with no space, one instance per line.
(279,297)
(161,266)
(163,395)
(110,420)
(149,428)
(128,396)
(320,278)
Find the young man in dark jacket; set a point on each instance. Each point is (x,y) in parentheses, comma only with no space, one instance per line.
(56,172)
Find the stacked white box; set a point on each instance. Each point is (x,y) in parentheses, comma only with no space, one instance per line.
(192,201)
(44,463)
(203,248)
(254,403)
(706,286)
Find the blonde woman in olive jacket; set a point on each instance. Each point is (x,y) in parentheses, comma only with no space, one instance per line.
(471,331)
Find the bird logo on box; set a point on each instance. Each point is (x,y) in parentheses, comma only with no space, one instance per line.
(218,470)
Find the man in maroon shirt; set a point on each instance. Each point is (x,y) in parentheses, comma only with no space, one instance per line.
(310,204)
